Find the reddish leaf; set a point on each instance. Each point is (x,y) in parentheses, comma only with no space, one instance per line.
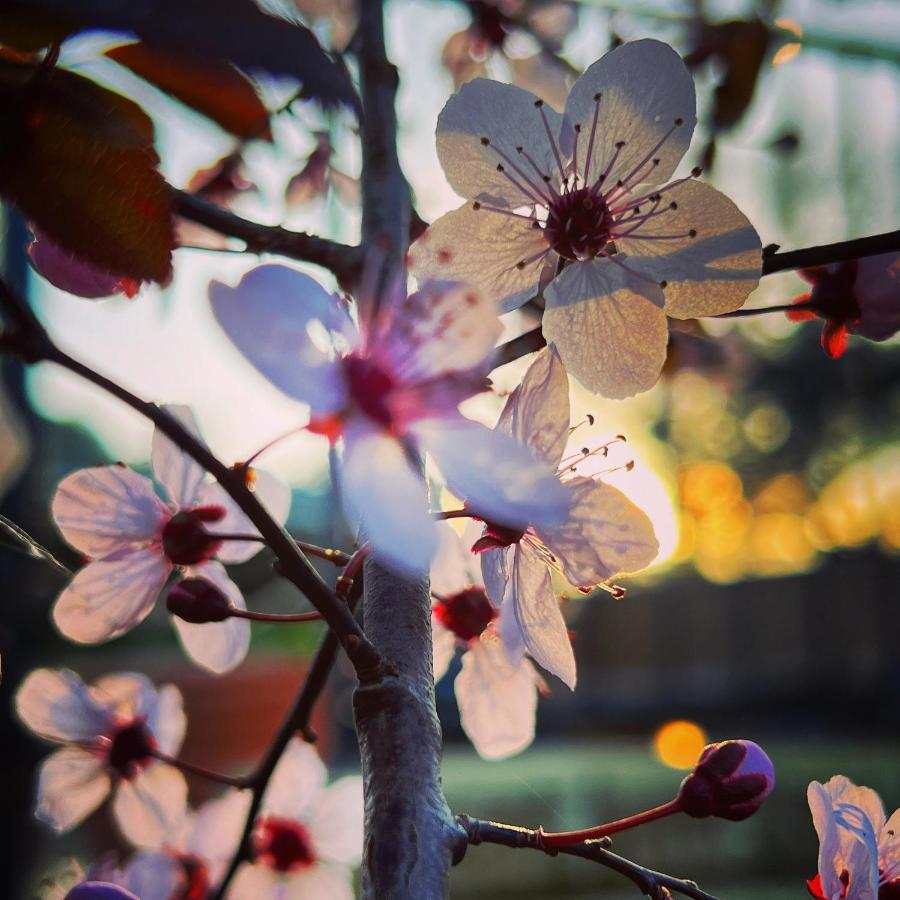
(211,87)
(801,315)
(78,160)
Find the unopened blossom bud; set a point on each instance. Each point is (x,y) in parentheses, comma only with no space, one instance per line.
(198,601)
(99,890)
(731,780)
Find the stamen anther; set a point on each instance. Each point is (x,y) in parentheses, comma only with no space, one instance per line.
(696,171)
(486,141)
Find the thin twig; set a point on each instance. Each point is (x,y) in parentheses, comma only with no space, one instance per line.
(652,884)
(20,540)
(773,261)
(231,780)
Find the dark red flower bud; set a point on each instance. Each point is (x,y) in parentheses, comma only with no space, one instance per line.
(198,601)
(731,780)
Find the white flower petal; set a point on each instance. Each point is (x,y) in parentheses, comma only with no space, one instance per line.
(57,705)
(497,700)
(71,785)
(267,317)
(483,249)
(384,496)
(217,826)
(494,473)
(319,882)
(646,87)
(104,508)
(109,597)
(152,875)
(506,115)
(443,327)
(709,274)
(255,881)
(128,695)
(444,644)
(509,632)
(336,824)
(167,720)
(455,567)
(297,783)
(151,806)
(216,646)
(537,412)
(495,570)
(604,535)
(609,327)
(540,620)
(172,467)
(272,492)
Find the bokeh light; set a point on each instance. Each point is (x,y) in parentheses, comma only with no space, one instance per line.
(678,744)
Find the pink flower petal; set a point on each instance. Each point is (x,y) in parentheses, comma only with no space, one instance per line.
(71,785)
(151,807)
(57,705)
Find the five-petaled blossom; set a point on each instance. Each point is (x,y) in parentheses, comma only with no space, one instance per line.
(603,535)
(188,857)
(392,386)
(861,297)
(308,837)
(496,690)
(111,731)
(585,199)
(859,851)
(135,541)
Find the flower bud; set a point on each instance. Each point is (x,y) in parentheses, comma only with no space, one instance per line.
(198,601)
(731,780)
(99,890)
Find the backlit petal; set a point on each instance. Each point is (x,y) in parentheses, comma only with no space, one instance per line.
(101,509)
(495,570)
(336,824)
(71,785)
(444,643)
(109,597)
(217,826)
(57,705)
(297,783)
(455,567)
(152,806)
(255,881)
(609,327)
(172,467)
(152,875)
(319,882)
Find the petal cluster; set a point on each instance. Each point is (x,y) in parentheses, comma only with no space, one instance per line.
(586,202)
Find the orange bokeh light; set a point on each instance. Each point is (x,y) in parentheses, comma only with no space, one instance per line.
(678,744)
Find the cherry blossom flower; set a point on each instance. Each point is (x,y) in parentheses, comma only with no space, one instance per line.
(189,856)
(603,535)
(73,275)
(859,851)
(395,386)
(308,837)
(135,541)
(584,201)
(861,297)
(110,732)
(496,690)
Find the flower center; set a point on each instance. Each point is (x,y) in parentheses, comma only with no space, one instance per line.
(466,614)
(578,224)
(370,388)
(184,539)
(196,878)
(496,537)
(131,748)
(284,844)
(834,294)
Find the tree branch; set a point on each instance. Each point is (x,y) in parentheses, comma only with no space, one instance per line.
(341,259)
(773,262)
(653,884)
(27,338)
(410,834)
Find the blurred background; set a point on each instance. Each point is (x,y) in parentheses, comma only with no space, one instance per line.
(772,473)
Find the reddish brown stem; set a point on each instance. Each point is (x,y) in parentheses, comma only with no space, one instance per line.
(312,616)
(564,838)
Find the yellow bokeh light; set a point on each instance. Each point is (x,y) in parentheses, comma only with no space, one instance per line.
(678,744)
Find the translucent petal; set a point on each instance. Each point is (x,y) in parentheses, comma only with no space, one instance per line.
(497,700)
(455,567)
(57,705)
(151,806)
(540,620)
(387,499)
(101,509)
(217,825)
(483,249)
(604,535)
(507,117)
(267,317)
(496,475)
(319,882)
(255,881)
(537,412)
(444,644)
(709,274)
(495,570)
(297,783)
(609,327)
(167,720)
(336,824)
(109,597)
(646,87)
(71,785)
(172,467)
(216,646)
(127,694)
(152,875)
